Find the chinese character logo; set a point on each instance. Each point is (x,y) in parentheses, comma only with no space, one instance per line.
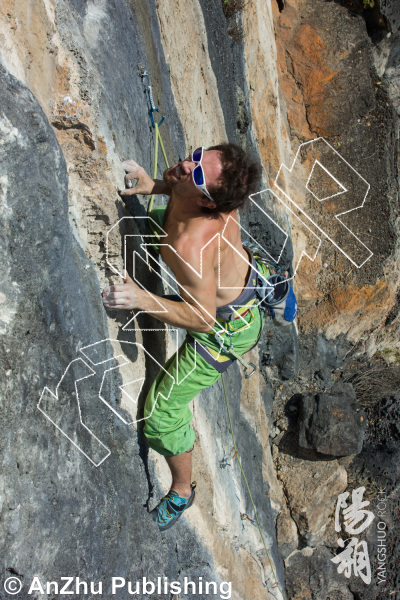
(355,556)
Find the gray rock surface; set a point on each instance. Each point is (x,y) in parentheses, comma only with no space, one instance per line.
(332,423)
(377,467)
(392,71)
(311,489)
(391,10)
(62,516)
(311,575)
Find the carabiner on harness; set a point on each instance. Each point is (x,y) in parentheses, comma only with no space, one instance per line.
(246,365)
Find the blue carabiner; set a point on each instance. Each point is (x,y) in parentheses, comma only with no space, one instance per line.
(152,118)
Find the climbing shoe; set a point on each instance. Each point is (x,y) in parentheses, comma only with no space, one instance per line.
(171,508)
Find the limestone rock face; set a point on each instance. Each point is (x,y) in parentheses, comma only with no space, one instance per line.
(313,576)
(53,309)
(332,423)
(311,489)
(328,82)
(391,10)
(93,490)
(79,480)
(287,533)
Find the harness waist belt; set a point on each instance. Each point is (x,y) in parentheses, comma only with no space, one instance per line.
(227,312)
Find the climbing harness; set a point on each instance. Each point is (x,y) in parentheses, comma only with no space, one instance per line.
(272,294)
(230,350)
(276,295)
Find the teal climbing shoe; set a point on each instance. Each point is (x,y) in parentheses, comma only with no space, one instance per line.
(171,508)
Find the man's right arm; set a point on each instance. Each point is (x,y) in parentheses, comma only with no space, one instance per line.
(145,184)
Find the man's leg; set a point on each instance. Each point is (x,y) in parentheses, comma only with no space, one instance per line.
(168,429)
(167,412)
(167,426)
(181,471)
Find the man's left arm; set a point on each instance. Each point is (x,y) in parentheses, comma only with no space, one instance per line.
(196,313)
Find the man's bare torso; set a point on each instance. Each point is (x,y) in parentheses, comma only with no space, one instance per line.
(230,260)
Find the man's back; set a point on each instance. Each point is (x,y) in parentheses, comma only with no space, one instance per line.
(206,241)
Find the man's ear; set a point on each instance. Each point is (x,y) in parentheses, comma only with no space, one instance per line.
(206,202)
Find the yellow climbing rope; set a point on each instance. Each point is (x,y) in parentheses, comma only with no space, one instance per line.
(158,142)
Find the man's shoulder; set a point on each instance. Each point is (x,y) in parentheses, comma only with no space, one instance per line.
(203,237)
(197,248)
(197,235)
(192,249)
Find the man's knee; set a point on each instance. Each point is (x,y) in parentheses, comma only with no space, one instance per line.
(170,442)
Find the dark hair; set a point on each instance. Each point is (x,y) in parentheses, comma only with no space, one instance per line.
(240,177)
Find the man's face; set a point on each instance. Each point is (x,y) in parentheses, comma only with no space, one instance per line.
(179,177)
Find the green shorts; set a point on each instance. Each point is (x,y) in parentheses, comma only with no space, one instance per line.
(167,414)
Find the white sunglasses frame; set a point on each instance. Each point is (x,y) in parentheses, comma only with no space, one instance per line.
(201,187)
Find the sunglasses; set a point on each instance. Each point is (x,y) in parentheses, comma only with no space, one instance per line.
(198,173)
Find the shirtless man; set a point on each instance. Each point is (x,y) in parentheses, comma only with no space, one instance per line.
(205,190)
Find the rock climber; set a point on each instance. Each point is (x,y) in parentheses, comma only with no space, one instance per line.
(216,277)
